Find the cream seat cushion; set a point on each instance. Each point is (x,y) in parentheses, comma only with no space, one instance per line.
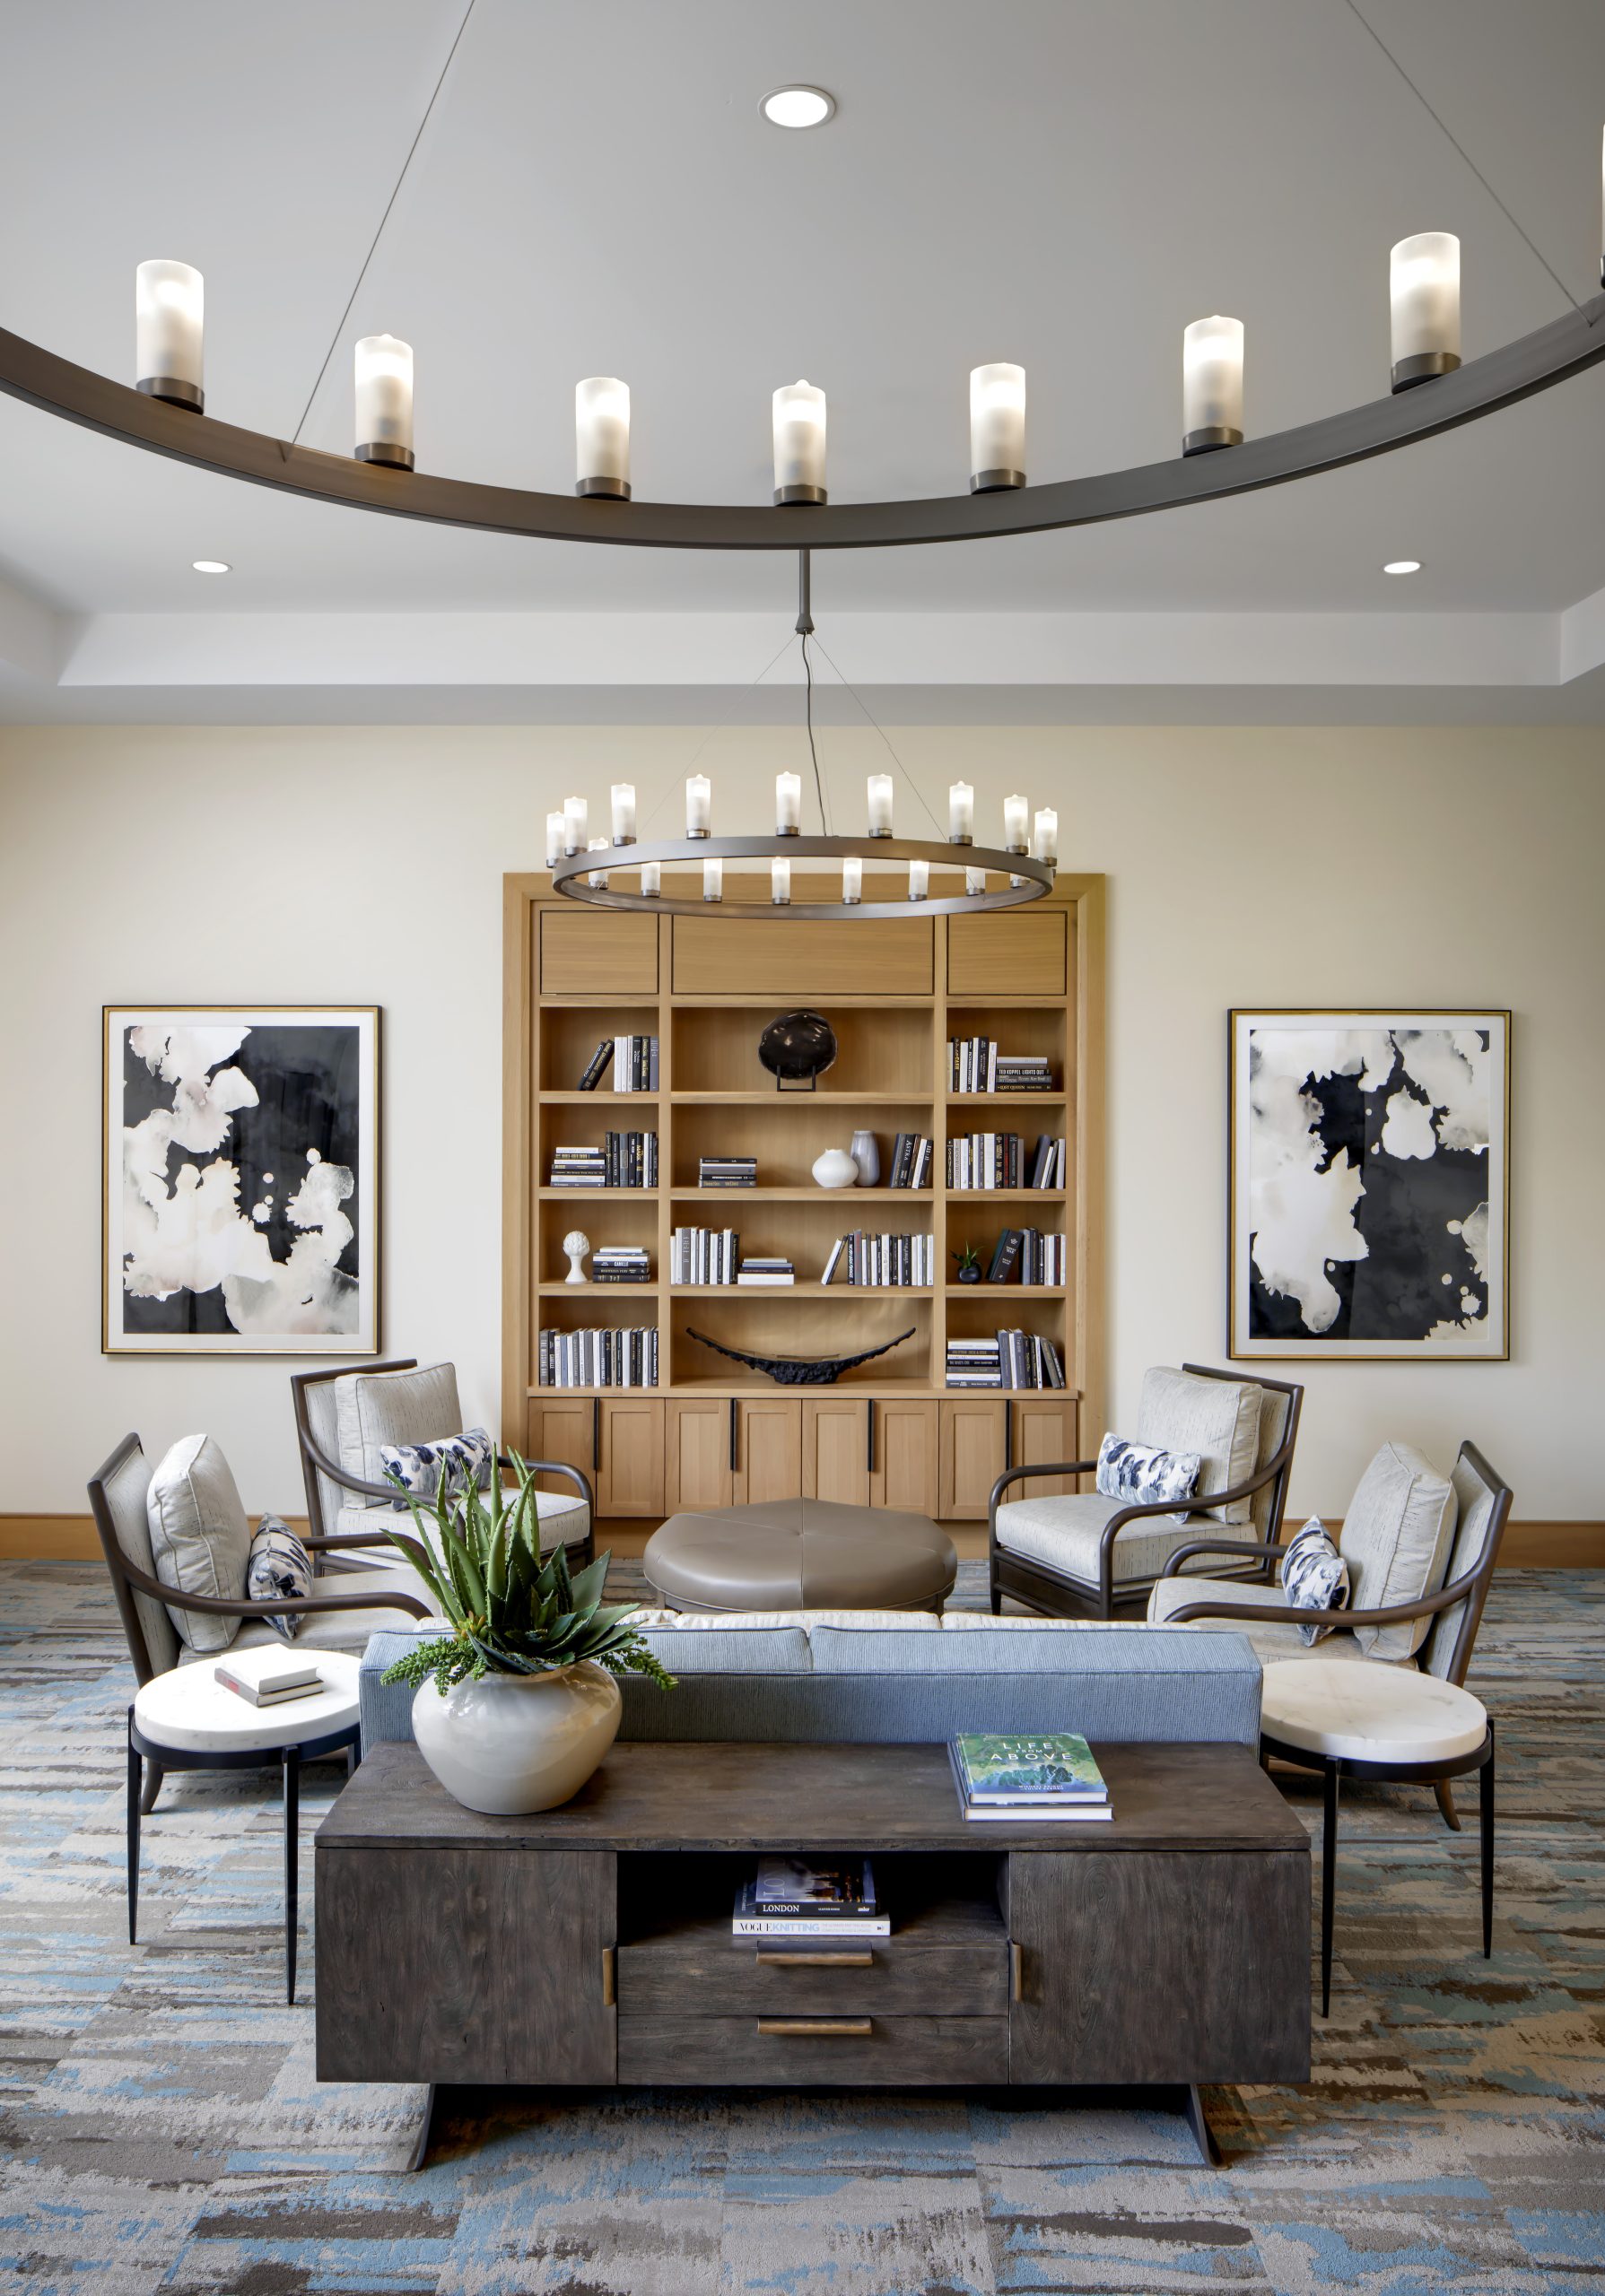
(336,1630)
(562,1519)
(1065,1534)
(1271,1641)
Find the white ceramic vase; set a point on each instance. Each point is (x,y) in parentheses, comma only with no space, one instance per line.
(835,1169)
(509,1744)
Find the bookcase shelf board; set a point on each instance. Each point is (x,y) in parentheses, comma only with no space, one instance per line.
(1029,982)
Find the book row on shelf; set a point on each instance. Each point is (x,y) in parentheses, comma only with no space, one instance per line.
(624,1160)
(894,1260)
(976,1064)
(758,1272)
(620,1263)
(727,1171)
(597,1357)
(1027,1256)
(1009,1359)
(704,1256)
(1000,1159)
(633,1061)
(910,1164)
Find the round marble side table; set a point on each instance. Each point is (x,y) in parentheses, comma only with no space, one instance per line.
(1358,1718)
(187,1719)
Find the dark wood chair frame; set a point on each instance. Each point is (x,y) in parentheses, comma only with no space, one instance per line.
(1049,1591)
(1471,1589)
(315,1461)
(149,1761)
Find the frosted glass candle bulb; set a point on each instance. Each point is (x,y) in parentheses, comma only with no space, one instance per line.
(880,804)
(1014,823)
(961,815)
(576,823)
(975,881)
(852,880)
(1211,385)
(780,883)
(1044,841)
(713,881)
(699,805)
(598,878)
(555,840)
(798,443)
(997,427)
(602,438)
(169,311)
(787,804)
(384,381)
(652,878)
(919,880)
(623,813)
(1424,295)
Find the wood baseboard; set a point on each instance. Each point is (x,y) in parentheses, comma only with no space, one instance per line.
(71,1538)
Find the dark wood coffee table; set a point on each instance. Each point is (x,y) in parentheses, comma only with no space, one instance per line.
(591,1945)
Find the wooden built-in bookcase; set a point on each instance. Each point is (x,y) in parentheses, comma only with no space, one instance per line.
(712,1434)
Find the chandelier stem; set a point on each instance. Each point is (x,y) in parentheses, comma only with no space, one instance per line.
(804,594)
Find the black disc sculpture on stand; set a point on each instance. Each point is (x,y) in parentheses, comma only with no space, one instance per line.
(800,1370)
(796,1049)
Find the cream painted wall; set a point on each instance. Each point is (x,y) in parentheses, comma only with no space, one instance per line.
(1258,866)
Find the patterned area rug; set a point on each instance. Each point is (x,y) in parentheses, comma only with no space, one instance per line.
(164,2129)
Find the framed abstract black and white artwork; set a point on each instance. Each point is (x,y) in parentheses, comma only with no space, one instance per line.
(242,1180)
(1370,1193)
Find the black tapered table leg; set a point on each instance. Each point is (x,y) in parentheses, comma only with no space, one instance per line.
(352,1758)
(1486,1811)
(1328,1882)
(291,1833)
(1198,2120)
(134,1782)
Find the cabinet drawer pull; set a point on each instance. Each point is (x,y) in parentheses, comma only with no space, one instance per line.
(848,2027)
(609,1976)
(767,1958)
(1016,1971)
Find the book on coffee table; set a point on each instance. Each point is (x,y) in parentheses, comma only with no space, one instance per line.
(1041,1776)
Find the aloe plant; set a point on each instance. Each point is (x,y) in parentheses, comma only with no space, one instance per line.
(509,1612)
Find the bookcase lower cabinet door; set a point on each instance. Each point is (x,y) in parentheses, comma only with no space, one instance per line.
(1164,1966)
(495,1972)
(768,1450)
(1043,1428)
(630,1457)
(971,1435)
(698,1471)
(905,1473)
(836,1436)
(564,1431)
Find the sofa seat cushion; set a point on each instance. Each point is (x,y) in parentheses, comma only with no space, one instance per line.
(1397,1535)
(200,1538)
(1219,1419)
(562,1521)
(1064,1533)
(1271,1641)
(336,1629)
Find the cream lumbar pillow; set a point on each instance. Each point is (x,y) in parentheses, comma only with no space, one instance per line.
(200,1539)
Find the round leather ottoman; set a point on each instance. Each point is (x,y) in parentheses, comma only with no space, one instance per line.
(800,1554)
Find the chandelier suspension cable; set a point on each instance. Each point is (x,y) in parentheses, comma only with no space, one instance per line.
(805,630)
(863,706)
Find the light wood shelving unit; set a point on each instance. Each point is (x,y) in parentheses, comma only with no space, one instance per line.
(712,1434)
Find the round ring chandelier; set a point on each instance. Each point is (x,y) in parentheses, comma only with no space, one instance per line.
(584,876)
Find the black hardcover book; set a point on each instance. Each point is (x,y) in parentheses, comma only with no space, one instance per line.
(599,1063)
(1004,1255)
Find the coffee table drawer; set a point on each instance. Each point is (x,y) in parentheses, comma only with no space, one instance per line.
(713,1974)
(784,2051)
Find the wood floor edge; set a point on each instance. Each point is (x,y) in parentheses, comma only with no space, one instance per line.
(71,1538)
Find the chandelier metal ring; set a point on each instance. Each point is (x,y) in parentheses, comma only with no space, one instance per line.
(1515,371)
(571,874)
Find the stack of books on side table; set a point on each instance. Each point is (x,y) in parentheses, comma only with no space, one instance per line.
(792,1897)
(1051,1778)
(273,1683)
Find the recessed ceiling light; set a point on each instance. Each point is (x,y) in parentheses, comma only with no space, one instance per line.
(1402,565)
(798,106)
(210,565)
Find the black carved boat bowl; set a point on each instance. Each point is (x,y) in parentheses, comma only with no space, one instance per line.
(798,1045)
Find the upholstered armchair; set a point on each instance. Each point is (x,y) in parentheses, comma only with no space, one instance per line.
(342,1417)
(1084,1553)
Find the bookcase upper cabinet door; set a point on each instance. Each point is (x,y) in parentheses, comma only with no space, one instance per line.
(969,1455)
(697,1470)
(904,1473)
(629,1467)
(1043,1429)
(835,1444)
(768,1450)
(564,1431)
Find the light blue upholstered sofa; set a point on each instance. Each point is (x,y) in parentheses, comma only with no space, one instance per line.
(894,1678)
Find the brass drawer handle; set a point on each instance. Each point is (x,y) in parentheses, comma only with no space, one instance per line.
(767,1958)
(610,1962)
(851,2026)
(1016,1971)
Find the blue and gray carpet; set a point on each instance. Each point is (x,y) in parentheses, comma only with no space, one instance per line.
(164,2129)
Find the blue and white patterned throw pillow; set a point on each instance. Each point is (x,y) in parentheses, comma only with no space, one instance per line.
(458,1460)
(1127,1470)
(1314,1577)
(278,1568)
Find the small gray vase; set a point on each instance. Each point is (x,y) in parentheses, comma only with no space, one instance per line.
(865,1155)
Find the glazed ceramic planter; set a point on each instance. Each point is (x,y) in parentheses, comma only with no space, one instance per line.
(509,1744)
(835,1169)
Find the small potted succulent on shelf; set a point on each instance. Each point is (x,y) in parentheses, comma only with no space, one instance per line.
(969,1265)
(515,1701)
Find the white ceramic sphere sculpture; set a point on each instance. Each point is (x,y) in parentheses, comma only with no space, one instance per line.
(835,1169)
(576,1244)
